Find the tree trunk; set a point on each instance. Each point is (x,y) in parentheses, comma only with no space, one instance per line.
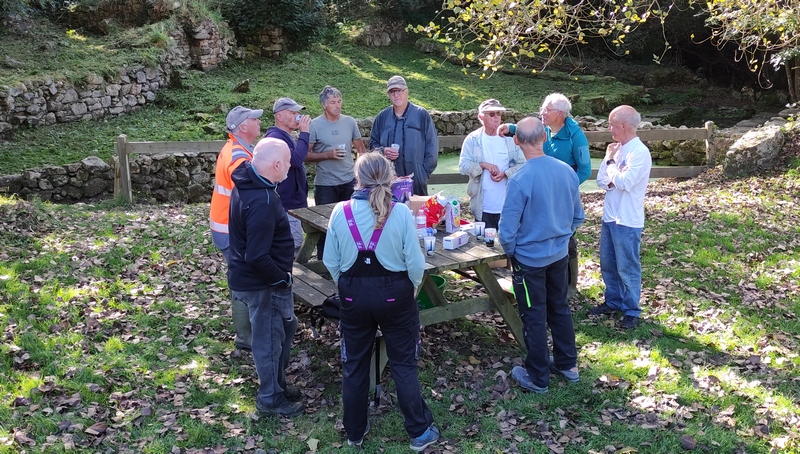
(793,78)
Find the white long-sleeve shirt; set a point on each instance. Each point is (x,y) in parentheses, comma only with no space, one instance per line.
(624,201)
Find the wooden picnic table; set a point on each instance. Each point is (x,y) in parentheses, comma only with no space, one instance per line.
(474,256)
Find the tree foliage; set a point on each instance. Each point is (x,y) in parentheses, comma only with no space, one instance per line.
(494,33)
(765,31)
(302,20)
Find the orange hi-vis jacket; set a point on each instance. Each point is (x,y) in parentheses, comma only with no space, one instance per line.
(230,157)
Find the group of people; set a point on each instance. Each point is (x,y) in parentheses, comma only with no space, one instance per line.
(523,180)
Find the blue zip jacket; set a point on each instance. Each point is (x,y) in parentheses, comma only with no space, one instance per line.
(294,189)
(570,145)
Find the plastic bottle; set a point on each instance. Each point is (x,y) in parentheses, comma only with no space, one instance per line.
(421,220)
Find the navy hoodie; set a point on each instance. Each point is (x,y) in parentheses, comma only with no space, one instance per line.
(294,189)
(262,247)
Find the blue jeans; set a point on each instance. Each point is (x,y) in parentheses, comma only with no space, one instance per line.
(331,194)
(274,325)
(621,267)
(542,303)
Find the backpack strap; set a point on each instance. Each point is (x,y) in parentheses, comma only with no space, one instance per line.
(351,223)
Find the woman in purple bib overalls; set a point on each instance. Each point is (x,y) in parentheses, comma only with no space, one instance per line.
(376,285)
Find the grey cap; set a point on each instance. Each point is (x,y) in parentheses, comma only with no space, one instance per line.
(286,104)
(491,105)
(239,114)
(395,82)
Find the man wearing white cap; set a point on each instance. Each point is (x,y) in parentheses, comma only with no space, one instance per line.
(411,127)
(294,189)
(244,127)
(489,160)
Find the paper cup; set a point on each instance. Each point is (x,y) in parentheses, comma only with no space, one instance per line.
(479,226)
(490,234)
(430,244)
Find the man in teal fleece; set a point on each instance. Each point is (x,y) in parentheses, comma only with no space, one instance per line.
(541,212)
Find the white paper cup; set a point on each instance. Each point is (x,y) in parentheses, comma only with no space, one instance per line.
(479,226)
(395,147)
(430,244)
(490,235)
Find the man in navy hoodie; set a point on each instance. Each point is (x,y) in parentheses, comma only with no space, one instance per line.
(261,272)
(294,189)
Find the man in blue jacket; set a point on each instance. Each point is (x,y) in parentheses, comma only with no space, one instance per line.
(260,272)
(411,127)
(294,189)
(541,212)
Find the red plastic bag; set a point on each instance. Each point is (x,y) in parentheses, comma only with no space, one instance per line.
(434,209)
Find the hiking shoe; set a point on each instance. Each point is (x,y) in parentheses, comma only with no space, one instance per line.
(423,441)
(571,375)
(358,443)
(629,322)
(519,374)
(286,409)
(243,347)
(602,309)
(292,393)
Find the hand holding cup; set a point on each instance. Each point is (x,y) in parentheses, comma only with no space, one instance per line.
(392,152)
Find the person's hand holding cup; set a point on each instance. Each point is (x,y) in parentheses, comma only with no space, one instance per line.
(392,152)
(340,151)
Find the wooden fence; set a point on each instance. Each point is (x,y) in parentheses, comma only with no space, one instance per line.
(123,149)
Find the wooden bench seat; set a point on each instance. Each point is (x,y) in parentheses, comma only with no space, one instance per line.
(310,288)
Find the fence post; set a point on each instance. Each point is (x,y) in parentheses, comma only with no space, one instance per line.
(122,177)
(711,153)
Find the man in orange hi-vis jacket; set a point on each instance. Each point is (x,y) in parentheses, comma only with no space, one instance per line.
(244,127)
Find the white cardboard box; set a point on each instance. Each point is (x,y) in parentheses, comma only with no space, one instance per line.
(455,240)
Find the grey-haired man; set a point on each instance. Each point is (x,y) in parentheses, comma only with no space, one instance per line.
(332,137)
(411,127)
(244,127)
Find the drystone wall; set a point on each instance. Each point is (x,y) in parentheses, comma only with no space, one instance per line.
(188,177)
(47,102)
(382,34)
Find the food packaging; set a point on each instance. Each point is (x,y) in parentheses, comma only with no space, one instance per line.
(452,218)
(455,240)
(435,209)
(402,188)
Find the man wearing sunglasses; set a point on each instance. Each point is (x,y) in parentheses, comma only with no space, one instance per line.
(489,160)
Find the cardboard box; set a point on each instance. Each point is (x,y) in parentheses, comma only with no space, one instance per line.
(455,240)
(416,202)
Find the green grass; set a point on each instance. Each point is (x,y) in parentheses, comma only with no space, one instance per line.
(119,315)
(197,111)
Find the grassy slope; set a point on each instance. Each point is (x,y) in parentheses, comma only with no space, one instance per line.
(116,337)
(360,74)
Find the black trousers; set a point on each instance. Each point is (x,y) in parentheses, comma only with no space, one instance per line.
(388,303)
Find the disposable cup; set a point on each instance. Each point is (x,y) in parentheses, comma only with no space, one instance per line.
(479,226)
(490,234)
(430,244)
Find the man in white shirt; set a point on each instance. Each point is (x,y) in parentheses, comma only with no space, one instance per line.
(489,160)
(623,174)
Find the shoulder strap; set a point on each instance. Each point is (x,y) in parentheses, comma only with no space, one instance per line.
(351,223)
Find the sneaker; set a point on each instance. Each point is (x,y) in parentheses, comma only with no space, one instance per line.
(292,393)
(423,441)
(571,375)
(602,309)
(519,374)
(629,322)
(358,443)
(286,409)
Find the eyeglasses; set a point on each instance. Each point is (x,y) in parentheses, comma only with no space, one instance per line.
(545,111)
(396,91)
(494,114)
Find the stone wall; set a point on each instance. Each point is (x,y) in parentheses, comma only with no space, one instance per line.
(188,177)
(50,101)
(270,43)
(382,34)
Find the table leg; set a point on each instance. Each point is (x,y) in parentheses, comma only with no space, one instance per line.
(434,294)
(308,247)
(506,308)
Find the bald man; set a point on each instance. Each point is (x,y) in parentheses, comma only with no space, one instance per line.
(623,174)
(260,272)
(541,211)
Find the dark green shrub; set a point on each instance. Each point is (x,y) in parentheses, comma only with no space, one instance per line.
(301,20)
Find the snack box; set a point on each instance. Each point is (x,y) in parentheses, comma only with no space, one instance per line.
(455,240)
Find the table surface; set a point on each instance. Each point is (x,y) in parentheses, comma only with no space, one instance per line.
(466,256)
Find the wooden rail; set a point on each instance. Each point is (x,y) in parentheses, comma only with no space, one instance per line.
(123,149)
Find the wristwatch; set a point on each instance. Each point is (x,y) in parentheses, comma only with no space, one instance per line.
(610,161)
